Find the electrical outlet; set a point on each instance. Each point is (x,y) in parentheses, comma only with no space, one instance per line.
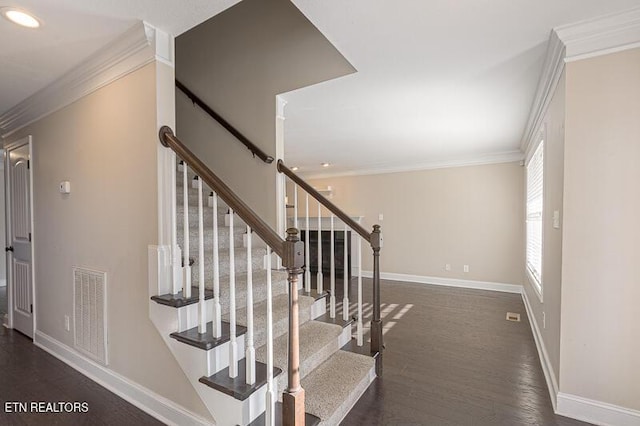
(67,323)
(447,267)
(544,320)
(466,268)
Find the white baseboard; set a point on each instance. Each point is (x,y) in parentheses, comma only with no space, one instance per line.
(148,401)
(596,412)
(449,282)
(547,368)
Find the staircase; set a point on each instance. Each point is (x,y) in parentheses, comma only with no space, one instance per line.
(244,371)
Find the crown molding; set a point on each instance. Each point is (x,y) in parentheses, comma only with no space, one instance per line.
(137,47)
(495,158)
(582,40)
(602,35)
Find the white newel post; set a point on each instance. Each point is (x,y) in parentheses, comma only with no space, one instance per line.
(332,298)
(359,329)
(319,283)
(202,314)
(217,309)
(186,267)
(271,391)
(307,256)
(250,352)
(345,275)
(233,344)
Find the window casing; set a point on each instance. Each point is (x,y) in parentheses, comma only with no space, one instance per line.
(535,197)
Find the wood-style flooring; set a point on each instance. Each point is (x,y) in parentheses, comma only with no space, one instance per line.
(27,373)
(452,358)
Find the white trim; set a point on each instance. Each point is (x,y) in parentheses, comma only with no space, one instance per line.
(3,282)
(157,406)
(551,73)
(547,367)
(581,40)
(596,412)
(132,50)
(495,158)
(449,282)
(601,35)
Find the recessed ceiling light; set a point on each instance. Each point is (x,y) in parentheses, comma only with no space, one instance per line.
(20,17)
(295,168)
(325,164)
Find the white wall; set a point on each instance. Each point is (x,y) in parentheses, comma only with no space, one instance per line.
(106,145)
(462,216)
(600,331)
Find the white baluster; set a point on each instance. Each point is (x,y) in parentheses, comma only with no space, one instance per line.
(233,344)
(359,330)
(250,352)
(175,250)
(319,283)
(217,309)
(295,206)
(186,269)
(345,299)
(202,313)
(307,256)
(271,391)
(332,298)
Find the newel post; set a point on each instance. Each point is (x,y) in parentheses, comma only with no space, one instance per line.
(376,323)
(293,397)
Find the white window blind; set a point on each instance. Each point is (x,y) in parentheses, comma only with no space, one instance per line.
(535,184)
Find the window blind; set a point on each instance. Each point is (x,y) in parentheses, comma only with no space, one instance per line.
(535,185)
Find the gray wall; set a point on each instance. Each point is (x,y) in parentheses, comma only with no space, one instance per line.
(237,62)
(106,145)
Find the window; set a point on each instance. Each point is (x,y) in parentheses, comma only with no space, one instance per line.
(535,184)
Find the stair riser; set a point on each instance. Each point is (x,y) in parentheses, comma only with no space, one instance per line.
(257,262)
(223,239)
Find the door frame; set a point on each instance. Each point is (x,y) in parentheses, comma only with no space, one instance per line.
(28,140)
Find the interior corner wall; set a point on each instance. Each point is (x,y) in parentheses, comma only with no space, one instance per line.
(600,337)
(105,144)
(546,313)
(237,62)
(468,215)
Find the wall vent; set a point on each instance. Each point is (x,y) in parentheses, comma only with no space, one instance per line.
(513,317)
(90,313)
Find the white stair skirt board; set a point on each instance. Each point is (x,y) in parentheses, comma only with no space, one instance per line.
(148,401)
(596,412)
(547,368)
(449,282)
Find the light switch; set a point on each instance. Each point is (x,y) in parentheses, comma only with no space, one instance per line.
(556,219)
(380,217)
(65,187)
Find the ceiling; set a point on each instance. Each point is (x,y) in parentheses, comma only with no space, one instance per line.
(74,29)
(438,81)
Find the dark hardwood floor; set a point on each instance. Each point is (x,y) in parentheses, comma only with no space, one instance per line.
(28,374)
(452,358)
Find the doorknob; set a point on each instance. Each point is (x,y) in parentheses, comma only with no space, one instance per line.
(10,248)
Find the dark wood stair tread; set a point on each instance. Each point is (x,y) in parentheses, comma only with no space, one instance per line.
(177,301)
(206,341)
(309,419)
(326,318)
(365,349)
(237,387)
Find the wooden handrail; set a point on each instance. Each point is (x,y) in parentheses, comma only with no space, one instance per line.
(224,123)
(268,235)
(322,200)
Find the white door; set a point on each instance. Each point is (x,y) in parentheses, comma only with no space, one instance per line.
(19,259)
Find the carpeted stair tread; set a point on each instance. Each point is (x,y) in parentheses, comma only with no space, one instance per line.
(223,239)
(257,262)
(280,316)
(318,341)
(334,387)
